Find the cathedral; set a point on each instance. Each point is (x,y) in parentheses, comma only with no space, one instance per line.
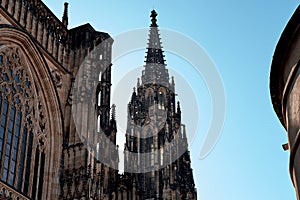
(58,127)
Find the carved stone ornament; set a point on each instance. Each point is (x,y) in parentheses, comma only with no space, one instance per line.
(57,78)
(17,89)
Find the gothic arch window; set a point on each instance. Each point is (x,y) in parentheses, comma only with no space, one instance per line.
(22,125)
(161,100)
(161,97)
(149,97)
(99,99)
(99,96)
(101,69)
(98,124)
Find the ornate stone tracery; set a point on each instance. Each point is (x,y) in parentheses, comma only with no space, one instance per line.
(17,88)
(25,124)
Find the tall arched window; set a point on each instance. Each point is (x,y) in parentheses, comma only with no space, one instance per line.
(149,98)
(161,100)
(19,110)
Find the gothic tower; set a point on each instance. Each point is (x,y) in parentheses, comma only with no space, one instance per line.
(90,128)
(157,162)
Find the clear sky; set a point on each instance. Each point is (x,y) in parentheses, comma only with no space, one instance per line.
(248,162)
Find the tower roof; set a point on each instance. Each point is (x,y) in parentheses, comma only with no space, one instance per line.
(155,68)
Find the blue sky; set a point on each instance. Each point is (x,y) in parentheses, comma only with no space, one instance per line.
(248,162)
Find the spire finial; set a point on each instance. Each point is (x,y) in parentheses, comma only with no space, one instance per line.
(178,107)
(113,111)
(65,20)
(133,97)
(153,20)
(138,83)
(184,131)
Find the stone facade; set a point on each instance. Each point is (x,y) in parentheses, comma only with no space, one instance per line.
(285,91)
(56,114)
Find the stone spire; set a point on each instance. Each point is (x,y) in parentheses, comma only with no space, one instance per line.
(155,68)
(65,20)
(146,160)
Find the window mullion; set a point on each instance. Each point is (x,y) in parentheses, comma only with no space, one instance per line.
(4,172)
(10,132)
(28,160)
(1,136)
(4,133)
(20,157)
(14,146)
